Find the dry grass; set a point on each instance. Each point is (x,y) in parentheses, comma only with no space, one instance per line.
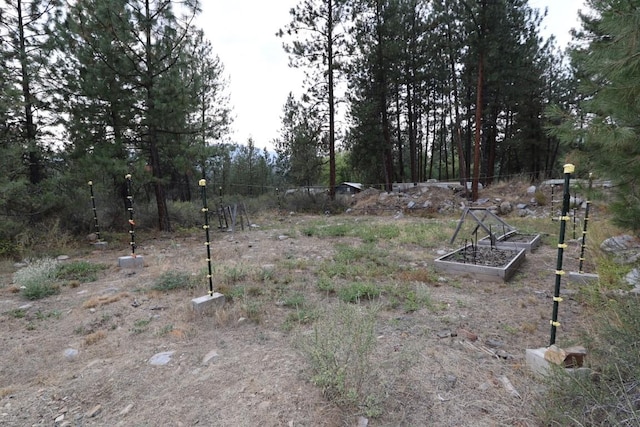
(104,300)
(94,337)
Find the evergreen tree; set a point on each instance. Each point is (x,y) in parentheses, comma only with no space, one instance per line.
(141,45)
(318,43)
(605,126)
(299,146)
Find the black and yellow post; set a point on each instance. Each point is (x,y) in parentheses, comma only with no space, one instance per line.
(564,217)
(132,223)
(205,211)
(95,213)
(584,227)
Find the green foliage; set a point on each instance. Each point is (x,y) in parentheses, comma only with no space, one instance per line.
(358,291)
(339,352)
(603,126)
(38,279)
(81,271)
(172,280)
(608,396)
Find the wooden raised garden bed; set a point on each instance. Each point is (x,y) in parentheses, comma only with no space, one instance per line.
(482,262)
(514,240)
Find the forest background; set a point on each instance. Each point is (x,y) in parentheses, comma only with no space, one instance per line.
(435,89)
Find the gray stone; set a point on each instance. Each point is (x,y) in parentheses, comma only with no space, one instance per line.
(427,204)
(71,354)
(443,334)
(624,248)
(62,257)
(494,343)
(532,189)
(521,206)
(633,277)
(505,208)
(160,359)
(212,356)
(283,237)
(411,204)
(94,411)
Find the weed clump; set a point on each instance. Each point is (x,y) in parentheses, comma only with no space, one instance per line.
(340,351)
(38,279)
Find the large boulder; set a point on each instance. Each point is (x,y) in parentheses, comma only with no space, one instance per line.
(625,248)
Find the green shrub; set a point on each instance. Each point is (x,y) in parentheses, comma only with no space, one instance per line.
(611,396)
(354,292)
(38,279)
(339,352)
(81,271)
(172,280)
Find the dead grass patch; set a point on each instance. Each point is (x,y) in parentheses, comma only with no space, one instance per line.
(95,337)
(6,391)
(104,300)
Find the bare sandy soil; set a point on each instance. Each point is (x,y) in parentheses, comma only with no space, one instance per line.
(450,363)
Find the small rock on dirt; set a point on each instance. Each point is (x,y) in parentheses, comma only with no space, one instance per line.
(161,358)
(126,409)
(494,343)
(443,334)
(94,411)
(71,354)
(212,356)
(362,421)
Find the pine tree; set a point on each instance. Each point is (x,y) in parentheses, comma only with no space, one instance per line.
(299,146)
(606,125)
(317,46)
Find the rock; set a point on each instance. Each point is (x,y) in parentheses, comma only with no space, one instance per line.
(71,354)
(92,237)
(161,358)
(126,409)
(283,237)
(521,206)
(505,208)
(62,257)
(362,421)
(93,411)
(482,201)
(398,215)
(494,343)
(59,419)
(624,248)
(212,356)
(633,277)
(531,190)
(522,213)
(443,334)
(427,204)
(411,205)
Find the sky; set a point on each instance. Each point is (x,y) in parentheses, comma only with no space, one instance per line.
(242,33)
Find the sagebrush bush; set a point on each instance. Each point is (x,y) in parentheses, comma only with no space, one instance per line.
(38,279)
(340,352)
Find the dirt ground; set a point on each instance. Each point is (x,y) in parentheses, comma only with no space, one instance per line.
(83,357)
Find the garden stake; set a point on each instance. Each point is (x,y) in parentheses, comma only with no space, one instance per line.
(553,186)
(568,170)
(575,215)
(95,213)
(584,227)
(205,211)
(130,209)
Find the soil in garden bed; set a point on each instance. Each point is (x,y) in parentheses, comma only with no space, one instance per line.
(482,255)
